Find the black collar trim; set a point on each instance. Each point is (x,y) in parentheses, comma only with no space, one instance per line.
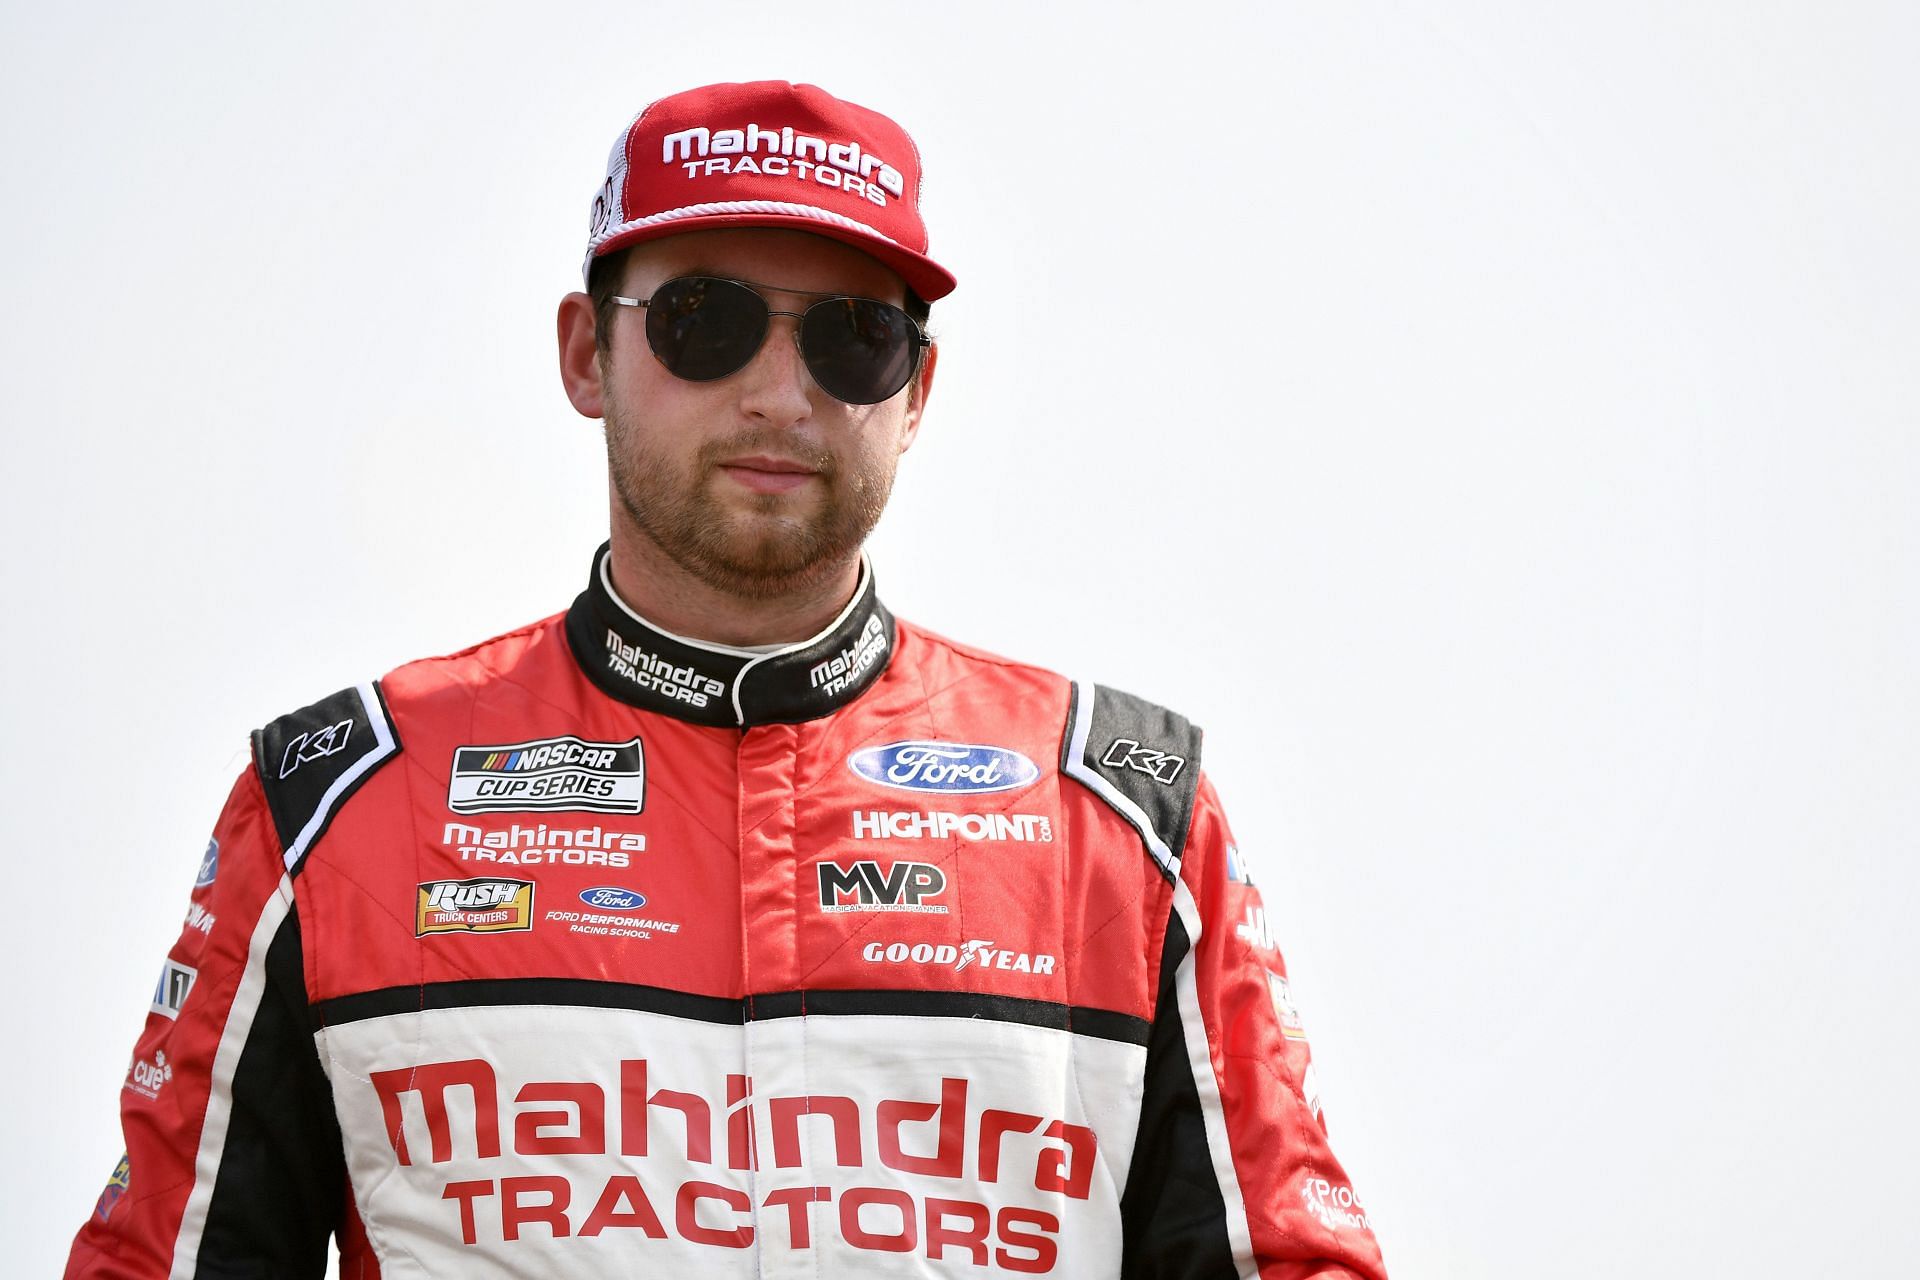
(638,663)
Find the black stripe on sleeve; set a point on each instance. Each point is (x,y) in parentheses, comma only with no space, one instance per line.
(280,1189)
(1173,1220)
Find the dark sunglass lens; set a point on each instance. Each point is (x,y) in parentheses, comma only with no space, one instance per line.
(704,328)
(858,350)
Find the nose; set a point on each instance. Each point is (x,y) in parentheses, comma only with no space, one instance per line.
(775,386)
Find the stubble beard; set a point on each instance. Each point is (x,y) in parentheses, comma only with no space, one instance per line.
(759,553)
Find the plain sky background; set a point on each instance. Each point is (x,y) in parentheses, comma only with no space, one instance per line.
(1494,422)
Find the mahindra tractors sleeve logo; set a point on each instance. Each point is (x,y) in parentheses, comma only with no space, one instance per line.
(473,906)
(944,767)
(548,774)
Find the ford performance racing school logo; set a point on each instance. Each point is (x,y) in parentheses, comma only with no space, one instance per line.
(947,768)
(548,774)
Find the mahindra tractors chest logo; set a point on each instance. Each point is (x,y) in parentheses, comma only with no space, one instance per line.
(473,906)
(951,1162)
(944,767)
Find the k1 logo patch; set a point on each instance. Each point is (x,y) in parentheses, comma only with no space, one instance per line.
(549,775)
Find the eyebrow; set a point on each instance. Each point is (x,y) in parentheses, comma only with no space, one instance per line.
(776,288)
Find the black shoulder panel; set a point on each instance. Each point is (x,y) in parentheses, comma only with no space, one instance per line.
(311,760)
(1142,759)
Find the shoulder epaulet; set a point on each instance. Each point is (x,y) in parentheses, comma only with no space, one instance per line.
(1142,759)
(312,759)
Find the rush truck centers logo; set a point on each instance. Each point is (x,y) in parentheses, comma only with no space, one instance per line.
(547,775)
(473,906)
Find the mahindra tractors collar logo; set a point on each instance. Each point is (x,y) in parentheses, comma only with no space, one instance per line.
(929,1157)
(315,744)
(473,906)
(1162,767)
(905,886)
(548,774)
(948,768)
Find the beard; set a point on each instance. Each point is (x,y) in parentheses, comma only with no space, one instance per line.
(759,547)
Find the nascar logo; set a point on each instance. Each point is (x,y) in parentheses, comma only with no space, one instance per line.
(548,774)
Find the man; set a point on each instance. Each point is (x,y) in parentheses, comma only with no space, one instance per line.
(724,924)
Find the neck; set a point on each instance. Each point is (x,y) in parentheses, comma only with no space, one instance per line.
(674,600)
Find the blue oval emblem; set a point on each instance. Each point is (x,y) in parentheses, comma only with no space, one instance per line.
(209,865)
(945,767)
(608,898)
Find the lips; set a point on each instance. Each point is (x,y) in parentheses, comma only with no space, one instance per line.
(765,474)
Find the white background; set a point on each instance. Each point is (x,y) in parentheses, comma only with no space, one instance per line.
(1495,422)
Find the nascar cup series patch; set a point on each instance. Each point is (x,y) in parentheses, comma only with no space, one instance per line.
(548,775)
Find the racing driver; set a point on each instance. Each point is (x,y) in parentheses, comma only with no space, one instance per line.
(724,924)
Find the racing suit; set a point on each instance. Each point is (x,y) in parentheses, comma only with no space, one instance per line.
(593,951)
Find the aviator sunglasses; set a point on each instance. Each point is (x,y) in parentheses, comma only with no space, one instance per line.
(703,328)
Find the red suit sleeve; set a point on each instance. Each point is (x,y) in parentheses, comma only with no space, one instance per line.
(233,1161)
(1232,1170)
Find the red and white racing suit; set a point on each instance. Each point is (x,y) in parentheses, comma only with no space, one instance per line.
(591,951)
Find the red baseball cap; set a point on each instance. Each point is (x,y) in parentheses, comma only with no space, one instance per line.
(768,154)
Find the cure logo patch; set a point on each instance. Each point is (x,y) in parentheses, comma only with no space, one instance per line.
(944,767)
(548,774)
(473,906)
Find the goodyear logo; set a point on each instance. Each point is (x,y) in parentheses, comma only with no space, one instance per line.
(483,905)
(547,775)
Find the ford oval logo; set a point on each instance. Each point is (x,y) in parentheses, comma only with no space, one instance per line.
(608,898)
(948,767)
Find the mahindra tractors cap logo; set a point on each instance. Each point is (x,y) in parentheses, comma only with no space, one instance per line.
(548,774)
(473,906)
(944,767)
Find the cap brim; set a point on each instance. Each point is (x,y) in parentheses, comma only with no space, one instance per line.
(923,275)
